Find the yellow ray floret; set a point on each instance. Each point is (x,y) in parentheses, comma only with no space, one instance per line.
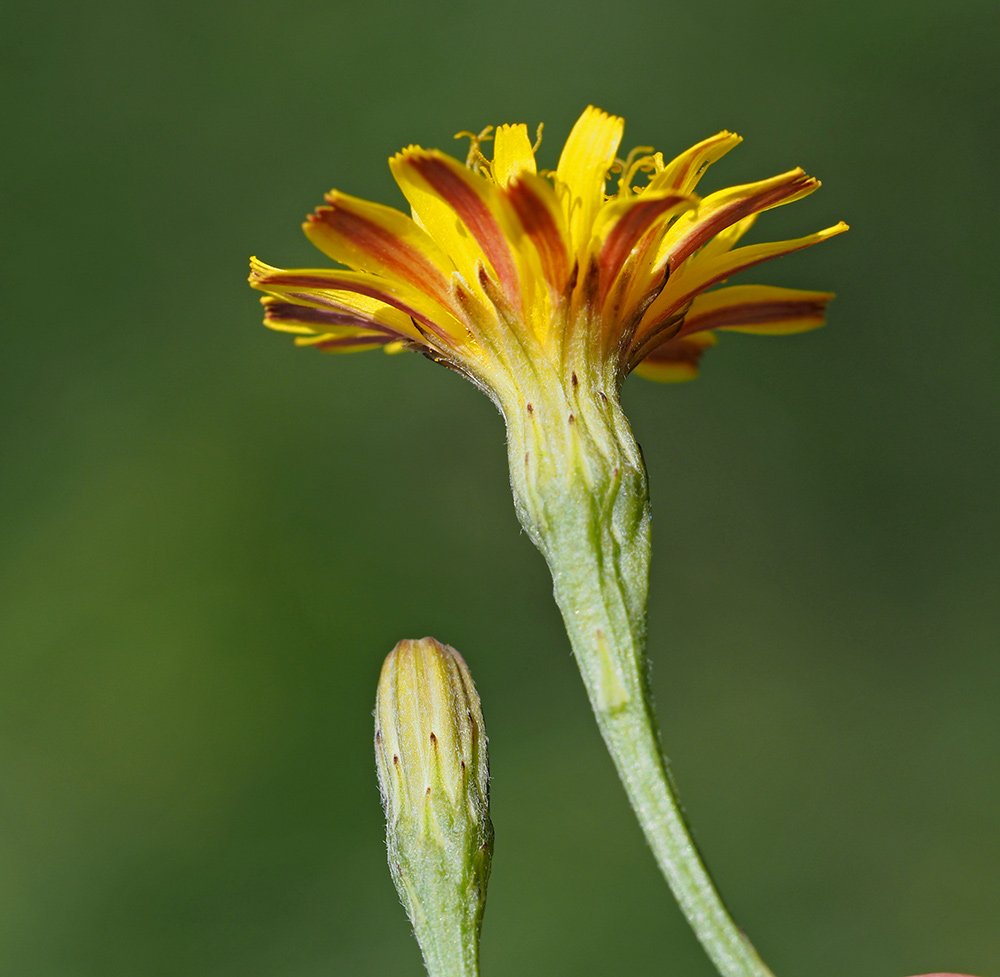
(513,153)
(498,261)
(583,168)
(380,240)
(683,172)
(765,310)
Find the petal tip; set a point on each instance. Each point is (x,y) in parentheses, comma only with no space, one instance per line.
(259,271)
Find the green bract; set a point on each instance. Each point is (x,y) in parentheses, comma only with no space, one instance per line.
(430,750)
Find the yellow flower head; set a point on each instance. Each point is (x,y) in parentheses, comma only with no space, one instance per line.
(605,265)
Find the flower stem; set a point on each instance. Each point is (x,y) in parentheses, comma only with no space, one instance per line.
(580,491)
(610,665)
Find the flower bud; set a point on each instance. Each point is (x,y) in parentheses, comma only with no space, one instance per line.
(433,772)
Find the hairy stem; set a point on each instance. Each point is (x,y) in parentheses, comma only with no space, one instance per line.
(457,959)
(580,491)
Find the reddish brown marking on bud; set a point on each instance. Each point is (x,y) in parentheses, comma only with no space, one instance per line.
(428,792)
(572,419)
(574,379)
(378,736)
(395,759)
(463,765)
(527,455)
(617,471)
(531,408)
(434,741)
(603,395)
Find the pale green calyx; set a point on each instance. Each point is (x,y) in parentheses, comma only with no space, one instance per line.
(433,772)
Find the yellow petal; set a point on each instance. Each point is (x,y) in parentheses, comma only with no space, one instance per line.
(622,224)
(512,153)
(462,212)
(364,307)
(298,318)
(699,274)
(373,238)
(761,309)
(338,343)
(727,238)
(719,211)
(541,220)
(583,168)
(676,360)
(437,218)
(337,290)
(683,173)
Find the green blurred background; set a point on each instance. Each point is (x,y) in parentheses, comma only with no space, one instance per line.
(211,539)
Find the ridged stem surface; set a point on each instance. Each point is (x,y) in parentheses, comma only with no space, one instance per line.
(581,494)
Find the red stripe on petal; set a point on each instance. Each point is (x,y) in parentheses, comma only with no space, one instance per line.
(678,350)
(386,248)
(323,320)
(331,281)
(731,263)
(626,234)
(540,226)
(754,313)
(703,231)
(676,359)
(473,211)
